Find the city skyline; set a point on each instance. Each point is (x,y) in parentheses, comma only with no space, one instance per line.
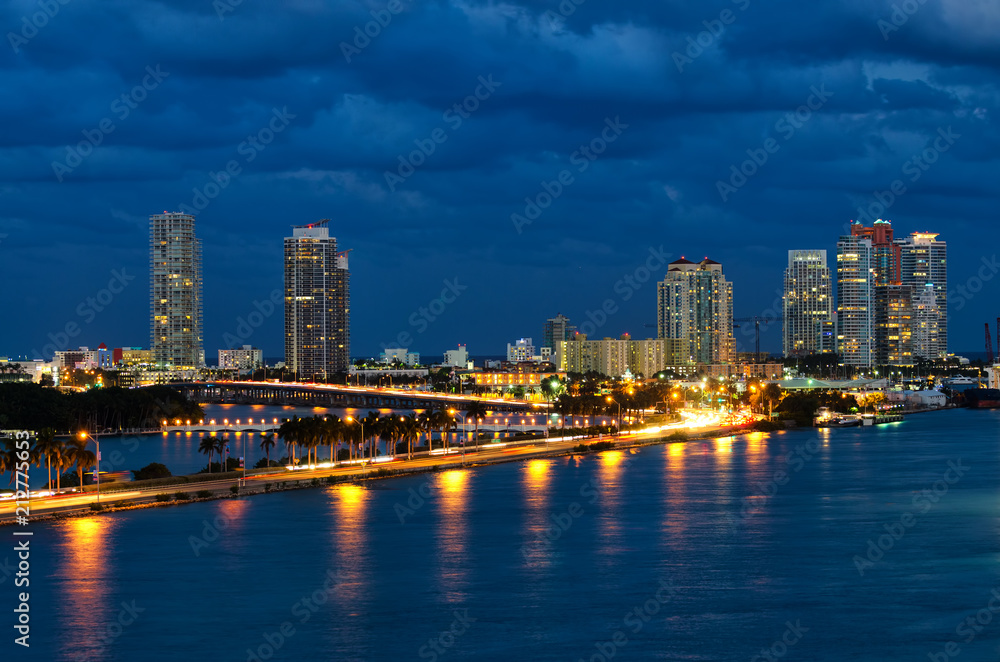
(902,261)
(597,118)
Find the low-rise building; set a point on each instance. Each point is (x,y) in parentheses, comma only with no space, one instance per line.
(246,358)
(131,356)
(391,355)
(83,358)
(457,358)
(616,356)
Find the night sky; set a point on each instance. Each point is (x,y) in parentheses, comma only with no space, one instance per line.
(623,122)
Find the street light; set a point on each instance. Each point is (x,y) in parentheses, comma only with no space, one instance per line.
(610,400)
(83,437)
(361,421)
(445,440)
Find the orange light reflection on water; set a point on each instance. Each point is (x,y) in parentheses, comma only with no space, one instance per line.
(452,491)
(535,479)
(350,541)
(86,579)
(609,474)
(675,504)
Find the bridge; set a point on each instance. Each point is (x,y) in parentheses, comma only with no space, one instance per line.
(343,397)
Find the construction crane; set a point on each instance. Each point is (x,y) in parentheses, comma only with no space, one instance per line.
(989,343)
(756,324)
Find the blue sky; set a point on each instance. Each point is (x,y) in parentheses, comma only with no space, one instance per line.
(523,159)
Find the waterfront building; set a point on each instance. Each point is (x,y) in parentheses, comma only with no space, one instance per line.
(615,357)
(855,300)
(522,350)
(131,356)
(392,354)
(458,358)
(83,358)
(900,331)
(893,325)
(694,304)
(30,370)
(317,303)
(175,291)
(928,325)
(924,264)
(530,381)
(808,304)
(885,253)
(556,330)
(246,358)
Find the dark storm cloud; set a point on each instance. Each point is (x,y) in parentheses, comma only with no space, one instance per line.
(697,84)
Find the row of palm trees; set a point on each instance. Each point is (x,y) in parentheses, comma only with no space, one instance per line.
(51,453)
(362,437)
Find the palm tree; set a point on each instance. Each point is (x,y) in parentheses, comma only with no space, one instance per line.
(772,394)
(445,422)
(333,432)
(389,429)
(371,425)
(208,446)
(427,423)
(477,410)
(47,448)
(221,444)
(312,429)
(352,434)
(409,430)
(8,458)
(291,432)
(267,442)
(77,453)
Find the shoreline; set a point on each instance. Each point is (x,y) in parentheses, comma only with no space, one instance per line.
(289,482)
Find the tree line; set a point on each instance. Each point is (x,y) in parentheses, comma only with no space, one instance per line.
(26,406)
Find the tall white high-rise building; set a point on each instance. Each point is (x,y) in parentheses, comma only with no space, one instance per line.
(317,303)
(808,304)
(175,291)
(924,264)
(855,301)
(928,321)
(695,304)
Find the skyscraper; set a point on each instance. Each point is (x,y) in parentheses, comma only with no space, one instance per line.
(808,304)
(893,325)
(928,324)
(924,265)
(885,253)
(317,303)
(556,330)
(855,300)
(175,291)
(694,303)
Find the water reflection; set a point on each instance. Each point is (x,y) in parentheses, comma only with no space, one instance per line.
(349,505)
(675,497)
(536,487)
(234,513)
(609,484)
(452,520)
(87,579)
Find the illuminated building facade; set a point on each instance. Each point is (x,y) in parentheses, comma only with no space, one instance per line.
(694,304)
(317,303)
(175,291)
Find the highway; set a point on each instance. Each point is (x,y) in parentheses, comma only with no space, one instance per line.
(694,421)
